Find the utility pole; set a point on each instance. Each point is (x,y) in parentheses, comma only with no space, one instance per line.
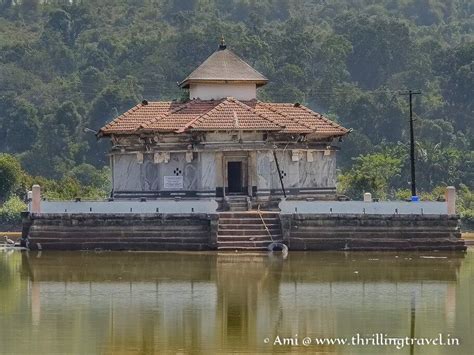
(410,94)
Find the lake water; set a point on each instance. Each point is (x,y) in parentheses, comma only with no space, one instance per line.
(140,303)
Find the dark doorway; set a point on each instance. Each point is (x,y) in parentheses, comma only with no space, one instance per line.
(234,176)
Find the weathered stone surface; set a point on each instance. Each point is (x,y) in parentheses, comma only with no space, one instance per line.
(120,231)
(137,174)
(371,232)
(200,231)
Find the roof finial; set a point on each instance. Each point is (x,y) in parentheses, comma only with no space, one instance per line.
(222,46)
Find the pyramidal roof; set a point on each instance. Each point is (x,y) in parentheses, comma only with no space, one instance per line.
(223,66)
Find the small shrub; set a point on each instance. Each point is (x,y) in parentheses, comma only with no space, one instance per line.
(10,212)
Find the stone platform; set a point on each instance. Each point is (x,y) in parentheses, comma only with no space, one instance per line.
(129,231)
(240,231)
(371,232)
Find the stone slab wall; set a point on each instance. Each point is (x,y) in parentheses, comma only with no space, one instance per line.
(120,231)
(371,232)
(199,232)
(361,207)
(305,173)
(132,178)
(163,205)
(300,176)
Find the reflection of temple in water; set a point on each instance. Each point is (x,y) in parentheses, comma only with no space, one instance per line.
(151,301)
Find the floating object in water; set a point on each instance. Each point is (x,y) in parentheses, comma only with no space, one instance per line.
(433,257)
(356,272)
(275,246)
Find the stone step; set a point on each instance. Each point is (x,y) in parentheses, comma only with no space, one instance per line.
(230,248)
(245,243)
(248,221)
(249,214)
(259,242)
(248,232)
(242,238)
(229,256)
(243,226)
(238,209)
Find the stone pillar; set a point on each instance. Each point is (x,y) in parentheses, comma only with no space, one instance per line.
(451,199)
(367,197)
(36,199)
(214,226)
(219,164)
(252,172)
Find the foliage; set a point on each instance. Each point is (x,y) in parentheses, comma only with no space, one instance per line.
(83,181)
(11,209)
(10,173)
(465,206)
(403,195)
(464,201)
(67,65)
(370,173)
(70,188)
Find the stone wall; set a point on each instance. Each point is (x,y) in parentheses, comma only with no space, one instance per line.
(371,232)
(305,173)
(120,231)
(216,91)
(132,176)
(199,232)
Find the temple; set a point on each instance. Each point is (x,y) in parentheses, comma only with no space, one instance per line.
(223,143)
(225,171)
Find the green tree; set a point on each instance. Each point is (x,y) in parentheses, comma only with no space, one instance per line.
(104,56)
(381,47)
(10,175)
(18,124)
(370,173)
(437,165)
(60,143)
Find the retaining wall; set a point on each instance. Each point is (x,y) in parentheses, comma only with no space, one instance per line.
(371,232)
(120,231)
(198,231)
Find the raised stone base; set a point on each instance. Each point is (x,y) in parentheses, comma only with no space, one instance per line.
(199,231)
(371,232)
(121,231)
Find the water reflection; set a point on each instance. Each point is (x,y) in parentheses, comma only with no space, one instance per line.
(73,302)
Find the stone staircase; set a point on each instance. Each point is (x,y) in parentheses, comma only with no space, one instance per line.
(246,231)
(237,203)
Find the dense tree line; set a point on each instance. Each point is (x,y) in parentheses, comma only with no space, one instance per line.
(67,65)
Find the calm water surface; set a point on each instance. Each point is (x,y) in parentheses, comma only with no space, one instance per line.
(139,303)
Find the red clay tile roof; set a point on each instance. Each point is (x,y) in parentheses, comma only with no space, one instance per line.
(225,114)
